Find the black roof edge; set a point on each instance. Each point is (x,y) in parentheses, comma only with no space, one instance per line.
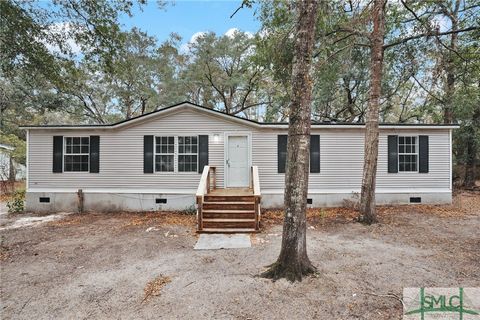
(229,115)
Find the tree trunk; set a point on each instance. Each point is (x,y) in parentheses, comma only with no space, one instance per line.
(367,200)
(448,116)
(128,114)
(471,161)
(11,170)
(293,262)
(144,105)
(472,150)
(450,85)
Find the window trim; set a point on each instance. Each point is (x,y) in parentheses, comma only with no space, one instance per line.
(164,154)
(186,154)
(403,153)
(75,154)
(175,154)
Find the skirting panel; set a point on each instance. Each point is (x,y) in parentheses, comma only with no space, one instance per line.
(108,202)
(320,200)
(116,202)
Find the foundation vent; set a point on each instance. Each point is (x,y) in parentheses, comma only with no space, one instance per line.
(44,199)
(160,200)
(415,200)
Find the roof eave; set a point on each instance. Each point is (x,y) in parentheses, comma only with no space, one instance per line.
(229,117)
(261,125)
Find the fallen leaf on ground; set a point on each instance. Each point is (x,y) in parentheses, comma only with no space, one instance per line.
(160,219)
(464,203)
(4,253)
(154,287)
(69,220)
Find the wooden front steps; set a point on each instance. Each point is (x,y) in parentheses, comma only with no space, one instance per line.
(228,213)
(227,210)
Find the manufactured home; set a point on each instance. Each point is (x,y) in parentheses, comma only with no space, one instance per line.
(190,157)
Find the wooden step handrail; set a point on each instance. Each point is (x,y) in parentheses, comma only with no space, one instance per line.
(204,187)
(257,194)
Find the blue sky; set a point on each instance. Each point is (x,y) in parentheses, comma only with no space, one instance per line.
(189,17)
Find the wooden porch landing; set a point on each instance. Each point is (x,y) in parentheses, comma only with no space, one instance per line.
(231,192)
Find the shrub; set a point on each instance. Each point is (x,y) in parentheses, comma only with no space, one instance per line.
(16,204)
(191,210)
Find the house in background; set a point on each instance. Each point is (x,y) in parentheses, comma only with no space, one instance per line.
(10,170)
(229,167)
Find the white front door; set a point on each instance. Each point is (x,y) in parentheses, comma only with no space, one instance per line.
(238,171)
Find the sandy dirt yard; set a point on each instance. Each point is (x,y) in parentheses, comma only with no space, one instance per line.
(142,266)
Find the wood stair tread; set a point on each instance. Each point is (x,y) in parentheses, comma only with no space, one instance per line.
(227,220)
(228,202)
(249,196)
(229,230)
(228,211)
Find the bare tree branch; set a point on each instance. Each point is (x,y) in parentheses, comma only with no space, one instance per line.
(428,34)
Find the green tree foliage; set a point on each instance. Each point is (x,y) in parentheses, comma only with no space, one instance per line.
(134,78)
(71,62)
(225,73)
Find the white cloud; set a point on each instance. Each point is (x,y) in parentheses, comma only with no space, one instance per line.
(62,30)
(185,47)
(196,35)
(230,32)
(263,33)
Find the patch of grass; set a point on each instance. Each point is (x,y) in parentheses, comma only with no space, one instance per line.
(190,211)
(154,287)
(7,189)
(323,213)
(16,203)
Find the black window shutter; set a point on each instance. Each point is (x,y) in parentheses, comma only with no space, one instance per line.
(94,154)
(147,154)
(281,153)
(202,152)
(392,154)
(314,154)
(57,153)
(423,154)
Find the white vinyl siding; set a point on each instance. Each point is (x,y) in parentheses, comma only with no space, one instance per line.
(341,157)
(341,161)
(121,154)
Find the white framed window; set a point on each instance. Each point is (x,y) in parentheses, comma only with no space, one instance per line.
(176,154)
(76,154)
(188,154)
(407,154)
(165,154)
